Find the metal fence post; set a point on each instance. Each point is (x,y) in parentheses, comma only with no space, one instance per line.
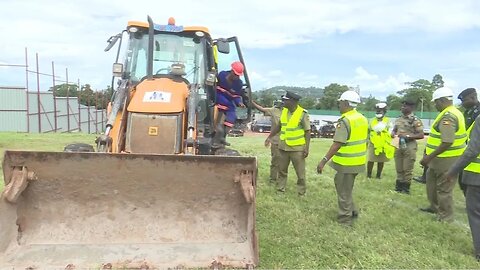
(38,97)
(79,98)
(68,101)
(26,85)
(54,98)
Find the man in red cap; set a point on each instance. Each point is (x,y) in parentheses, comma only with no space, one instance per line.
(229,96)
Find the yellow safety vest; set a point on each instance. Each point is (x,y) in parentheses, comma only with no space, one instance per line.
(354,151)
(292,132)
(474,166)
(382,143)
(434,139)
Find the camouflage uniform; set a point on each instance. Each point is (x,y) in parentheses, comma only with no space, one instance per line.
(405,158)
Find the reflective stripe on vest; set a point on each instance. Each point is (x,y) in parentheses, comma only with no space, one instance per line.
(292,132)
(474,166)
(434,139)
(354,151)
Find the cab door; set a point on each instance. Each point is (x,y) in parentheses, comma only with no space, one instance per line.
(224,60)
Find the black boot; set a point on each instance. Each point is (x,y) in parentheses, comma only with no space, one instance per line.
(369,169)
(398,186)
(406,188)
(379,170)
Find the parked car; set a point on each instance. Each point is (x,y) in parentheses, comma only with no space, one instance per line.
(263,125)
(327,130)
(237,131)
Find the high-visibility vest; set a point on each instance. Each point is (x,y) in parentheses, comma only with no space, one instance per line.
(474,166)
(354,151)
(292,132)
(434,139)
(382,143)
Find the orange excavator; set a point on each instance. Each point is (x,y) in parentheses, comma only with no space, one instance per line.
(155,194)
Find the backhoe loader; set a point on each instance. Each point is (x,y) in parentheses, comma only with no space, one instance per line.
(155,194)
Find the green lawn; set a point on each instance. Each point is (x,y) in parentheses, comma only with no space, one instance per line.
(299,232)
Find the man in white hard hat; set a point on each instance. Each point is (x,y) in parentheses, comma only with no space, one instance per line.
(445,145)
(348,153)
(380,148)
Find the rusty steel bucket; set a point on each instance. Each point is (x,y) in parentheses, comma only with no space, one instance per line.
(97,210)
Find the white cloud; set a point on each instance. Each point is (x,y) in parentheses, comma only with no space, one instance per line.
(375,85)
(363,75)
(73,33)
(275,73)
(263,80)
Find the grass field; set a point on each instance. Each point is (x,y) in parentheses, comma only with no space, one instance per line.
(302,232)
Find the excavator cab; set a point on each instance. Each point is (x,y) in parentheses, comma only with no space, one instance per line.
(168,81)
(154,195)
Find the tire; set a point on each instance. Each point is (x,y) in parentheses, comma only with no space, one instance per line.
(78,147)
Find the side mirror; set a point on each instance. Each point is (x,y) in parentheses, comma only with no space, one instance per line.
(112,40)
(223,46)
(117,69)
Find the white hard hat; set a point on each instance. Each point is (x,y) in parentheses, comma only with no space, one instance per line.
(381,105)
(442,92)
(351,96)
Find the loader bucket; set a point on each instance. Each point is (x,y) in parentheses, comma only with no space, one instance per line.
(106,211)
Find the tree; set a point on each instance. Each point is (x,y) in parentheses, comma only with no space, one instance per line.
(368,104)
(421,92)
(63,90)
(87,96)
(437,81)
(331,93)
(266,99)
(394,102)
(307,103)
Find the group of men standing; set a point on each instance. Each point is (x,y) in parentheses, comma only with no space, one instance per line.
(289,141)
(290,136)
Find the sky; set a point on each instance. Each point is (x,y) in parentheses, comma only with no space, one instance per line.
(377,45)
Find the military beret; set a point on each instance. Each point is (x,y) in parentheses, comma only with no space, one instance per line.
(466,92)
(291,95)
(409,102)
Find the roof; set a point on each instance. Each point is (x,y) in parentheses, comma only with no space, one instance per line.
(185,28)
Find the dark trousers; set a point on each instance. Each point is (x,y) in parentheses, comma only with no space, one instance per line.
(298,161)
(473,213)
(344,185)
(275,153)
(463,187)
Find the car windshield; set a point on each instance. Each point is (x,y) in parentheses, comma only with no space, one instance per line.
(169,48)
(263,122)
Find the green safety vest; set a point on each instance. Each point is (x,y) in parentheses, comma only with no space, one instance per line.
(354,151)
(382,143)
(474,166)
(434,139)
(292,132)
